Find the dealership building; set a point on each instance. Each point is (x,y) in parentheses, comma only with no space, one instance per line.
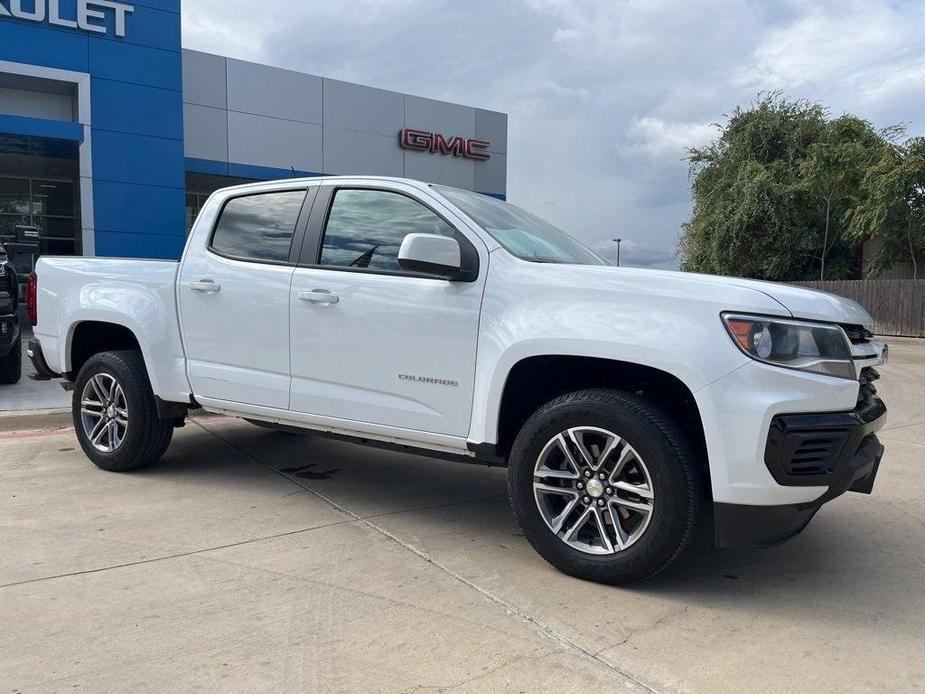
(112,135)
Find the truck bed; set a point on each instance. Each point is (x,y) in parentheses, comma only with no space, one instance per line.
(138,294)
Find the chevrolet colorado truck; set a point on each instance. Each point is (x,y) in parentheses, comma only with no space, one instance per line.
(633,408)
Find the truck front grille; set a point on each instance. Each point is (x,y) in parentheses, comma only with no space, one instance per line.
(867,390)
(857,334)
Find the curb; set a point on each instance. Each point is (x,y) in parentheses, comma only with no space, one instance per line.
(52,419)
(24,420)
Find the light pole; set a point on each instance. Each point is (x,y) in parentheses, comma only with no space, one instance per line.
(618,242)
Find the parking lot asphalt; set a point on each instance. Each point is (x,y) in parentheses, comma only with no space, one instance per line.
(255,560)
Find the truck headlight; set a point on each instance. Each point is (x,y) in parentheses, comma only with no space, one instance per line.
(817,347)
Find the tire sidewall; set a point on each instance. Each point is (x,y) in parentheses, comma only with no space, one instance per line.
(138,402)
(670,525)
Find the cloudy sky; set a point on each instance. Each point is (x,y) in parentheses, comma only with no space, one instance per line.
(603,95)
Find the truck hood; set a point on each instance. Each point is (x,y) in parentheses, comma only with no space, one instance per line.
(809,304)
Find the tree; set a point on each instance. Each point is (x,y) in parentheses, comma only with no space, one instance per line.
(832,173)
(771,193)
(891,206)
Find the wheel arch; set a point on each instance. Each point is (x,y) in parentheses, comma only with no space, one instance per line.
(89,337)
(537,379)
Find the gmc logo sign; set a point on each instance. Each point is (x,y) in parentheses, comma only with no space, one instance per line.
(424,141)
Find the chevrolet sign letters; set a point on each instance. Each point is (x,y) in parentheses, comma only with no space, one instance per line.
(90,15)
(424,141)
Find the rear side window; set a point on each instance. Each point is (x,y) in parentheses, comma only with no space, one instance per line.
(258,227)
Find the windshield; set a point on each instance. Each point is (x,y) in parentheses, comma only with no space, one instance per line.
(522,234)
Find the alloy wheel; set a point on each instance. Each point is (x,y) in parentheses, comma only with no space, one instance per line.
(593,490)
(104,413)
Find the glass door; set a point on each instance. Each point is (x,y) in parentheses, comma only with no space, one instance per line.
(38,217)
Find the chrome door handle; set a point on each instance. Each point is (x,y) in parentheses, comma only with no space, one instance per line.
(319,296)
(205,286)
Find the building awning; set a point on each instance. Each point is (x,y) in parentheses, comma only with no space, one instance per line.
(41,127)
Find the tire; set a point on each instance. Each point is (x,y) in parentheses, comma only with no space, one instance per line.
(658,470)
(11,364)
(144,438)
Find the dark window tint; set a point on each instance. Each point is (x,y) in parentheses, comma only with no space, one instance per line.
(366,227)
(259,227)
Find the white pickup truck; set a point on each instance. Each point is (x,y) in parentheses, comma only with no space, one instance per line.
(633,408)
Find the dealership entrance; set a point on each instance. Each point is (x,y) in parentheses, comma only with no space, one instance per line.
(39,199)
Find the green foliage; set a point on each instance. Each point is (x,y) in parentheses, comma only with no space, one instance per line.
(891,206)
(773,194)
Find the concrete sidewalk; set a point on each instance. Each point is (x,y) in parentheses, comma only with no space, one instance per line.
(253,560)
(28,395)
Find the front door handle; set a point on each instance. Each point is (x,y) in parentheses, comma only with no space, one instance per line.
(319,296)
(205,286)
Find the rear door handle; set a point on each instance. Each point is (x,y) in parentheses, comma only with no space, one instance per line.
(205,286)
(319,296)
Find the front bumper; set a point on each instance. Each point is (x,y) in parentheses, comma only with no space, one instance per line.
(838,451)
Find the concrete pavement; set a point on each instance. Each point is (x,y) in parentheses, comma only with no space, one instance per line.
(29,395)
(249,560)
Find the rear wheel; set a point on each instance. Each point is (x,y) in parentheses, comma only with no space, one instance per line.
(11,364)
(605,487)
(115,415)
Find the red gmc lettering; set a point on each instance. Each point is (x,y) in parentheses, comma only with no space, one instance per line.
(416,139)
(456,146)
(425,141)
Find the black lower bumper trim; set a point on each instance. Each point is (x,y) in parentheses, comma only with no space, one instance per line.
(37,357)
(739,525)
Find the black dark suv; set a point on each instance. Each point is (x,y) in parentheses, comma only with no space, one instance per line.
(10,337)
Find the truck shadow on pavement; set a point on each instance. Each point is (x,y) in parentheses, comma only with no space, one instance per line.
(435,504)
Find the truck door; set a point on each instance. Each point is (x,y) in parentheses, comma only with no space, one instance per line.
(234,300)
(370,342)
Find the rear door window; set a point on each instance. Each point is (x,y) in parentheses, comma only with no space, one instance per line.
(258,227)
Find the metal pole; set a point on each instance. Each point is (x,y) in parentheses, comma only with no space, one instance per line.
(618,242)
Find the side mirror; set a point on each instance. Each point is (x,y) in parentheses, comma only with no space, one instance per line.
(431,254)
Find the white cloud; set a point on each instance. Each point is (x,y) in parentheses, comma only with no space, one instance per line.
(867,48)
(658,138)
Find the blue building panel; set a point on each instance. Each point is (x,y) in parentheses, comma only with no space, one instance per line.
(146,26)
(165,5)
(127,158)
(38,44)
(140,209)
(127,245)
(137,109)
(125,62)
(41,127)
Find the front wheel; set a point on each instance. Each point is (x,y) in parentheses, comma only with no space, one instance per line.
(605,487)
(115,415)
